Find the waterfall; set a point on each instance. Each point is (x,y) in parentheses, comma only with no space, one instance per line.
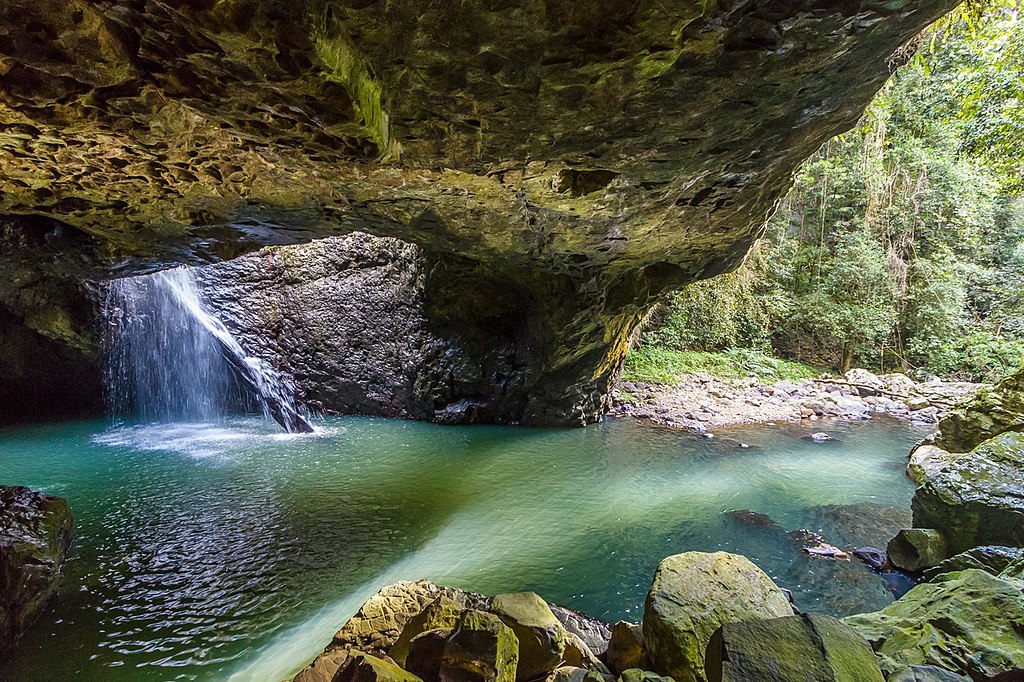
(169,359)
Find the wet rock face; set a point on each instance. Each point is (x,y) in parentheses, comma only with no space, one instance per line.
(35,534)
(978,499)
(560,166)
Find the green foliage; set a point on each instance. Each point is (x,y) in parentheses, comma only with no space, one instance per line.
(660,365)
(901,244)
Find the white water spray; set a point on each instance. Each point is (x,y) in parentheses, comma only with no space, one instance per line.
(171,360)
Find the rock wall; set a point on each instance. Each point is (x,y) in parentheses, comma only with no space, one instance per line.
(368,325)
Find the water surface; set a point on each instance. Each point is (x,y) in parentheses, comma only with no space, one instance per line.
(231,551)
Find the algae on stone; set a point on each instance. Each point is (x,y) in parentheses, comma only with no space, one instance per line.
(967,622)
(695,593)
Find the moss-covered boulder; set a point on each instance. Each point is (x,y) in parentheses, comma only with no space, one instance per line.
(541,636)
(362,667)
(35,534)
(481,649)
(978,499)
(695,593)
(968,622)
(991,412)
(442,613)
(926,460)
(808,648)
(424,654)
(990,558)
(638,675)
(916,548)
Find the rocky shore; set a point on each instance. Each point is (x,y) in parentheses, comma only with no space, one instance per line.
(708,617)
(700,401)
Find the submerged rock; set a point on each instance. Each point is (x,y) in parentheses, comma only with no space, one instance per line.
(695,593)
(967,622)
(808,648)
(978,499)
(35,535)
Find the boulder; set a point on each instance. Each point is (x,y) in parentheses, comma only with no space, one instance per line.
(35,535)
(594,633)
(637,675)
(379,623)
(968,622)
(626,648)
(991,559)
(424,654)
(866,383)
(926,673)
(695,593)
(928,460)
(1015,571)
(362,667)
(977,499)
(442,613)
(578,654)
(916,548)
(990,412)
(569,673)
(541,636)
(898,384)
(481,649)
(325,667)
(808,648)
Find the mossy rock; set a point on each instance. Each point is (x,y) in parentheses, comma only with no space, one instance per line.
(638,675)
(992,411)
(541,636)
(968,622)
(992,559)
(809,648)
(695,593)
(481,649)
(978,499)
(424,654)
(443,612)
(916,548)
(362,667)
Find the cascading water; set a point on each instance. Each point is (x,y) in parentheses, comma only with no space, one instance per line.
(170,360)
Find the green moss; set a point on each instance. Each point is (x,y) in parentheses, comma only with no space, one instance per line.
(347,67)
(665,366)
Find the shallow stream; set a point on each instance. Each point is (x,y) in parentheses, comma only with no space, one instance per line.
(232,551)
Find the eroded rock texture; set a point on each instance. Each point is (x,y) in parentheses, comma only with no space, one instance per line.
(561,164)
(35,534)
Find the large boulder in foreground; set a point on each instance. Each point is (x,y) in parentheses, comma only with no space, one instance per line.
(481,649)
(977,499)
(967,622)
(362,667)
(807,648)
(541,636)
(695,593)
(35,534)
